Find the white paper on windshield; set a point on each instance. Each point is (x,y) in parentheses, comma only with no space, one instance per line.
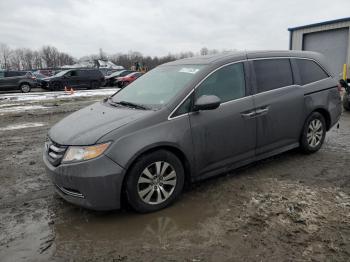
(189,70)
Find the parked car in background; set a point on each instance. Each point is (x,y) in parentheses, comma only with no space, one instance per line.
(39,78)
(123,81)
(108,71)
(346,98)
(188,120)
(17,80)
(110,80)
(47,72)
(74,78)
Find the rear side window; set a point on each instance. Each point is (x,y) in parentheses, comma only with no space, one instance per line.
(14,73)
(227,83)
(309,71)
(272,74)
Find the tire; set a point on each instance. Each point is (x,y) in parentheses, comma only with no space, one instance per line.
(56,86)
(154,181)
(25,88)
(346,102)
(314,133)
(94,85)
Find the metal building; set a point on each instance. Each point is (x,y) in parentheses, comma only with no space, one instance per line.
(330,38)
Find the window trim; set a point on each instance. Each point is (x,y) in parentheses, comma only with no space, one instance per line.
(170,117)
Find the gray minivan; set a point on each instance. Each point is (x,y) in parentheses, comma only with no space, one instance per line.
(188,120)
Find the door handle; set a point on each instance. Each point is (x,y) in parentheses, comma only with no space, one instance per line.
(249,114)
(262,111)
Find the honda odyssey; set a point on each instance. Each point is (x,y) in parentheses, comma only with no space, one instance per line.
(188,120)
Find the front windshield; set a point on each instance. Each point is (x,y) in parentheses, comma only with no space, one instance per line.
(62,73)
(158,86)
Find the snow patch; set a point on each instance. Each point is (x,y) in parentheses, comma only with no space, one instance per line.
(21,126)
(41,96)
(11,109)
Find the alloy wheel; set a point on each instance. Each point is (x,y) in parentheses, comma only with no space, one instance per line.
(315,133)
(156,183)
(25,88)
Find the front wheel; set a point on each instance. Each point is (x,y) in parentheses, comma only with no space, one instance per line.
(314,133)
(25,88)
(154,181)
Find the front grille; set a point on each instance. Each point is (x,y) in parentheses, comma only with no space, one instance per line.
(55,152)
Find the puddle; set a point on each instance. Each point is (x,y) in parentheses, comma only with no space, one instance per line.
(84,230)
(21,126)
(26,235)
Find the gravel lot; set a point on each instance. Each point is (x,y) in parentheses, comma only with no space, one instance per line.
(291,207)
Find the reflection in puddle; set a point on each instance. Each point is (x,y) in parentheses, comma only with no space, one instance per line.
(86,232)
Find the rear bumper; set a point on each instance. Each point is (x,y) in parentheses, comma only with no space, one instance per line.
(94,184)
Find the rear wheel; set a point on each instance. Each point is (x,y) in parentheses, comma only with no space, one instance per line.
(56,86)
(25,88)
(314,133)
(154,181)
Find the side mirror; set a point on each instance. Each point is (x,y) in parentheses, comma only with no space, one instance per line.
(207,102)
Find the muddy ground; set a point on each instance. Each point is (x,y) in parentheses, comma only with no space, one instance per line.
(291,207)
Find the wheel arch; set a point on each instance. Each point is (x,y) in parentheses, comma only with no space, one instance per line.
(169,147)
(24,83)
(326,115)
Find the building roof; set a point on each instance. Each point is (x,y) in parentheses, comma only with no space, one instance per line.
(346,19)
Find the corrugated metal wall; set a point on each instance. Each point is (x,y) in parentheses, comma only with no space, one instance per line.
(298,35)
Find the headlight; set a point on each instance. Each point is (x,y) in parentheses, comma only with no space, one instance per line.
(80,153)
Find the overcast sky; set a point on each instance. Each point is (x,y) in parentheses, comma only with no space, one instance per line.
(157,27)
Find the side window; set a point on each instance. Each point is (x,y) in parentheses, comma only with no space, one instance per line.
(309,71)
(227,83)
(2,74)
(272,74)
(73,73)
(184,108)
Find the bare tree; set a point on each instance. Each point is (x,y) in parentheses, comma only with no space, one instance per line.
(204,51)
(28,59)
(5,55)
(49,55)
(37,61)
(16,59)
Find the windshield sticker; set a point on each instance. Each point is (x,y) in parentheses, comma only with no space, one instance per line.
(189,70)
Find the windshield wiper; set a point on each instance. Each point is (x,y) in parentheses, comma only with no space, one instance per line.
(128,104)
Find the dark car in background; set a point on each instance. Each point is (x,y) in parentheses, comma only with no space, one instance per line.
(123,81)
(17,80)
(189,120)
(110,80)
(74,78)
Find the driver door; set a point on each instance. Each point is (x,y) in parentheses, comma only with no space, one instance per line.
(72,79)
(226,136)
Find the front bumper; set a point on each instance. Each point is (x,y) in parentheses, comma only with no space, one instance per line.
(94,184)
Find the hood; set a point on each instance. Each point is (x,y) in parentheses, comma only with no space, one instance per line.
(88,125)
